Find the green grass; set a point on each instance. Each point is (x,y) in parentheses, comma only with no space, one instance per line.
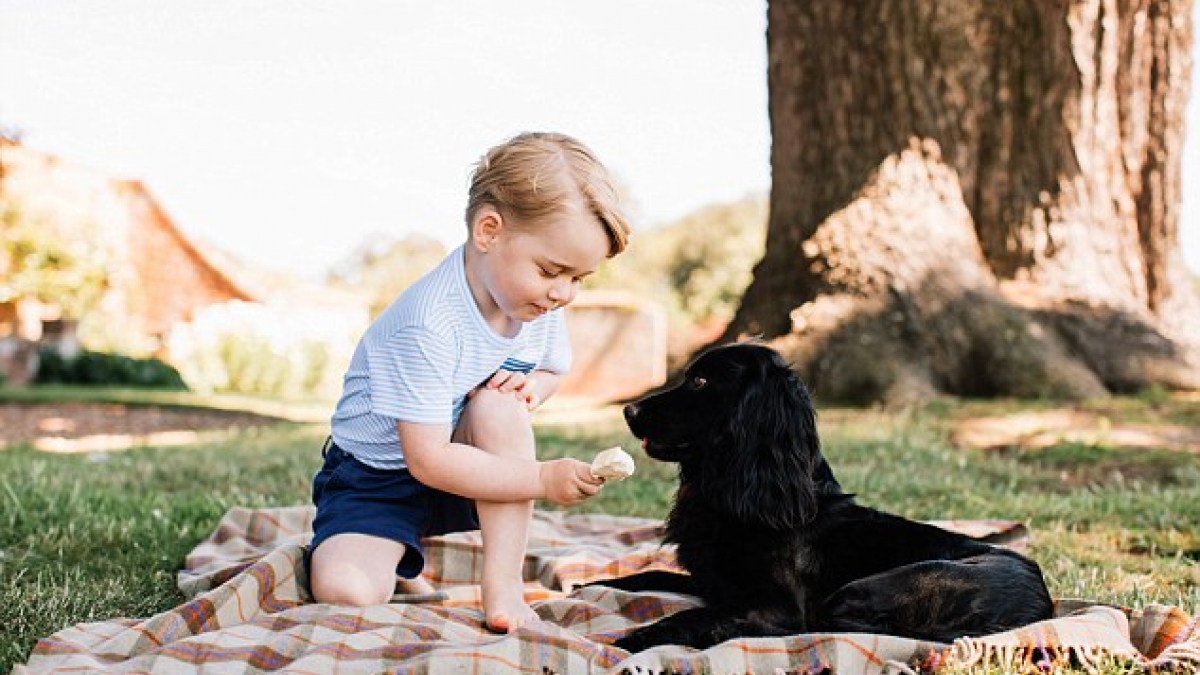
(93,537)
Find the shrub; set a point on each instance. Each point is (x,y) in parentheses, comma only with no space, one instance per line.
(273,350)
(103,369)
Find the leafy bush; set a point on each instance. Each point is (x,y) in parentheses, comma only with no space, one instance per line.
(386,266)
(715,253)
(698,266)
(52,368)
(102,369)
(39,259)
(255,348)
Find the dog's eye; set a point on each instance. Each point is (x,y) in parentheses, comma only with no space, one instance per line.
(697,382)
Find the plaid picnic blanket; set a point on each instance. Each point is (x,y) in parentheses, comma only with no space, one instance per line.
(250,612)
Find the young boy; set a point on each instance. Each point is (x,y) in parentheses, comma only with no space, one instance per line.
(432,433)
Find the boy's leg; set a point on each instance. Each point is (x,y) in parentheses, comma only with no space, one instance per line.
(355,569)
(498,423)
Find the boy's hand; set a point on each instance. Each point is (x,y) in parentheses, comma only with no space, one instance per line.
(520,384)
(568,482)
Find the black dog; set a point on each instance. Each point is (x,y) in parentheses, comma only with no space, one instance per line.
(772,544)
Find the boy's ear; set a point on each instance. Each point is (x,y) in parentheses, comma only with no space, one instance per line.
(487,227)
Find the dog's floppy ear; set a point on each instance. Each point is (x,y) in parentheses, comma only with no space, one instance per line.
(765,474)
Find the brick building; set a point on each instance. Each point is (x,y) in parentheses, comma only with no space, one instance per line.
(155,275)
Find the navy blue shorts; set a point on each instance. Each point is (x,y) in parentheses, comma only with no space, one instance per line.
(352,497)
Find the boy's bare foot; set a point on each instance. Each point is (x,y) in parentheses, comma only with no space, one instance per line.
(506,612)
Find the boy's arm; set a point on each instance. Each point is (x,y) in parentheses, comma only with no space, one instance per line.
(470,472)
(459,468)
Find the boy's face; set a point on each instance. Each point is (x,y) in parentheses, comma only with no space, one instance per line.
(533,268)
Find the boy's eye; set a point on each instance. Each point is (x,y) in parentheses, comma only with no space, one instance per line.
(547,273)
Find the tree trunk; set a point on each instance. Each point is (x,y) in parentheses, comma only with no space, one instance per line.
(977,197)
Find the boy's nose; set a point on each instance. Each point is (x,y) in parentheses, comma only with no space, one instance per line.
(562,293)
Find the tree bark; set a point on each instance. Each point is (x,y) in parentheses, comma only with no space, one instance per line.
(964,190)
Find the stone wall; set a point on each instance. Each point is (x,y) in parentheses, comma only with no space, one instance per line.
(619,345)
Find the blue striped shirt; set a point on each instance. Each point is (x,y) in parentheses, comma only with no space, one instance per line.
(420,358)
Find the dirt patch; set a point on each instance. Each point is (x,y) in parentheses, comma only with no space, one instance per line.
(1078,448)
(91,427)
(1038,430)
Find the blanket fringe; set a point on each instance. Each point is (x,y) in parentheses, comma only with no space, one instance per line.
(970,652)
(1183,656)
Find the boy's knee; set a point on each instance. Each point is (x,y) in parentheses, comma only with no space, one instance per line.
(493,415)
(349,587)
(491,405)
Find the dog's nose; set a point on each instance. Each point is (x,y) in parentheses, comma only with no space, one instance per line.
(631,411)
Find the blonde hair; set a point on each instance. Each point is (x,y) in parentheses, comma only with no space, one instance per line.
(536,174)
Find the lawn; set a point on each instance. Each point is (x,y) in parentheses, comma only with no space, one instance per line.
(88,537)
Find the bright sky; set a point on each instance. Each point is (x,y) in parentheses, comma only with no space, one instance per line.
(287,131)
